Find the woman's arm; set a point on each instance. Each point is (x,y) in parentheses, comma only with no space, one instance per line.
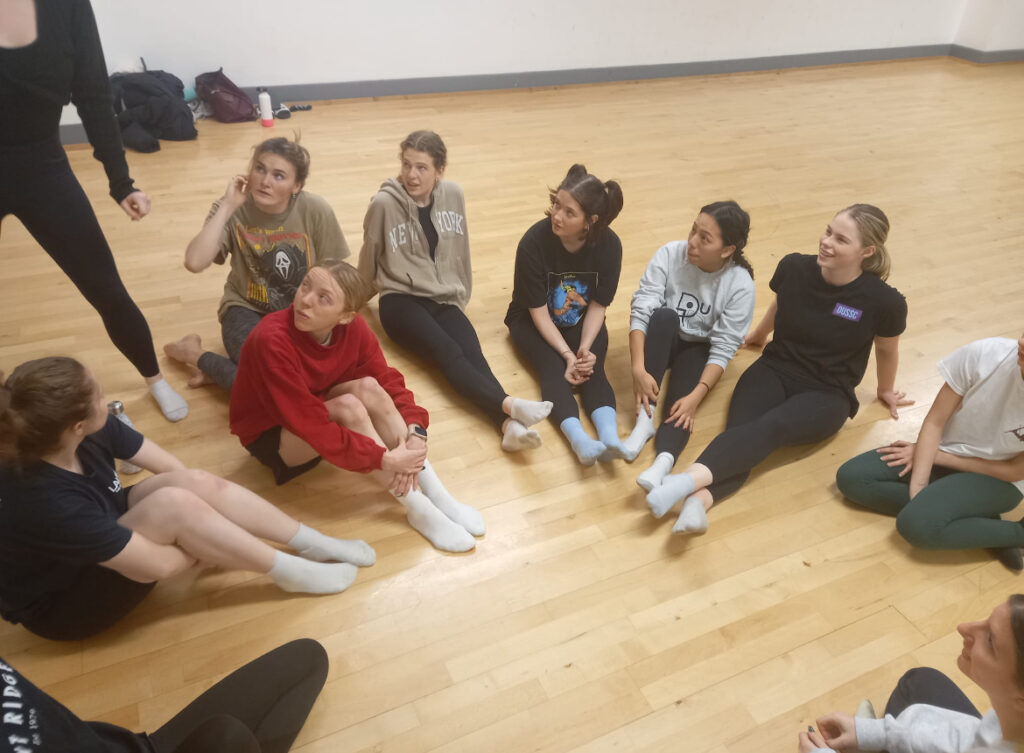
(1009,470)
(945,404)
(887,357)
(553,337)
(204,247)
(758,336)
(155,458)
(146,561)
(593,319)
(645,389)
(684,409)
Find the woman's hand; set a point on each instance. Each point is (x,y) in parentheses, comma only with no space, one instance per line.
(135,205)
(645,390)
(839,730)
(683,410)
(237,190)
(404,462)
(894,400)
(898,453)
(571,376)
(811,740)
(585,363)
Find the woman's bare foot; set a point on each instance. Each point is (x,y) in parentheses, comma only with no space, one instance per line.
(187,351)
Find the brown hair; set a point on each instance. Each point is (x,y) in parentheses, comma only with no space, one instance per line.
(594,197)
(297,155)
(349,280)
(429,142)
(39,400)
(873,226)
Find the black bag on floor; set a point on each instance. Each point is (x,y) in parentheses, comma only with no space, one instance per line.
(149,106)
(227,102)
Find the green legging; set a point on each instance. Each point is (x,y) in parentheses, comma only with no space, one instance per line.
(955,511)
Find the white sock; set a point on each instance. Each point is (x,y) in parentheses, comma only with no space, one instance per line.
(171,403)
(435,526)
(643,431)
(693,518)
(299,575)
(673,488)
(529,412)
(313,545)
(654,475)
(515,437)
(466,516)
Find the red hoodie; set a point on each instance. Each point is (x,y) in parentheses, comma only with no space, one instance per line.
(284,376)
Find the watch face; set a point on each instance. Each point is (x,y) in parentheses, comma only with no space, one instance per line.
(419,431)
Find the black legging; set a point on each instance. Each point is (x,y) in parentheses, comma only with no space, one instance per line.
(769,410)
(235,326)
(258,708)
(663,349)
(930,686)
(39,189)
(441,334)
(550,367)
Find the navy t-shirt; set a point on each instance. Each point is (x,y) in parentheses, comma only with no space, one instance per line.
(33,722)
(547,274)
(824,333)
(54,522)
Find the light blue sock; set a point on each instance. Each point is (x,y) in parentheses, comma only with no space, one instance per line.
(587,449)
(673,488)
(608,432)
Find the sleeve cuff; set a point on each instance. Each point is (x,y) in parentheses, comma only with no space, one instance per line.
(870,733)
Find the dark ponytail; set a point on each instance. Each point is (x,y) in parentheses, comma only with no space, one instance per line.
(734,225)
(39,400)
(594,197)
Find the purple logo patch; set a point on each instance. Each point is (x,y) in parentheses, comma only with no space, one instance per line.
(847,312)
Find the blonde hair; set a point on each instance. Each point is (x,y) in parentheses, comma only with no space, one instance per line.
(873,226)
(349,280)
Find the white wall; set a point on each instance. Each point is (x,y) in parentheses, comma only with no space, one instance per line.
(267,43)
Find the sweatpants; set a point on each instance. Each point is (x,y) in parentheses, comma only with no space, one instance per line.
(39,188)
(236,325)
(664,350)
(955,511)
(441,334)
(258,708)
(769,410)
(929,686)
(550,368)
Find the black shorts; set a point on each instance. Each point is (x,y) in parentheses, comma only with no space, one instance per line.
(266,450)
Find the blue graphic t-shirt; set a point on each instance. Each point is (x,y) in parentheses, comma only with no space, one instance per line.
(547,274)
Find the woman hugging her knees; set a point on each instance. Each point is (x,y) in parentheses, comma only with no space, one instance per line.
(273,231)
(829,310)
(78,551)
(567,271)
(694,305)
(949,488)
(313,383)
(416,254)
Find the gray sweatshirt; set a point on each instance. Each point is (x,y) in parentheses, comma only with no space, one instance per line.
(929,729)
(713,306)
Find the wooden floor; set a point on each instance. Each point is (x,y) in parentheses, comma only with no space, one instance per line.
(579,623)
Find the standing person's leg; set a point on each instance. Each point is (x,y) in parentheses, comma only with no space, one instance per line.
(930,686)
(75,241)
(661,342)
(687,367)
(271,696)
(598,400)
(550,369)
(207,366)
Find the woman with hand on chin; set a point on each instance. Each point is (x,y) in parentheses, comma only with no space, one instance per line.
(313,383)
(273,231)
(829,310)
(50,55)
(927,712)
(948,489)
(694,304)
(567,271)
(78,551)
(416,254)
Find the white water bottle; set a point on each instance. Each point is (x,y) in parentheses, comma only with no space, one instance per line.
(116,409)
(266,109)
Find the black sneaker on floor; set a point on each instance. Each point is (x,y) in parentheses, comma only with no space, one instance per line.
(1010,557)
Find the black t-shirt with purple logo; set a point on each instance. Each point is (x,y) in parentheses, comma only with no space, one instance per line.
(824,333)
(547,274)
(54,523)
(33,722)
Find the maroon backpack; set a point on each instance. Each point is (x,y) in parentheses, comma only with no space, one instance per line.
(228,103)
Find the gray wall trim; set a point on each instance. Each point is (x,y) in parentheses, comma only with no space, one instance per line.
(75,133)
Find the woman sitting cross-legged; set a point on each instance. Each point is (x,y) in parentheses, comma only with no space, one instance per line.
(693,307)
(78,551)
(829,310)
(312,382)
(948,490)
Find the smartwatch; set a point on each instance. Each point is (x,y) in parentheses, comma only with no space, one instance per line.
(415,430)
